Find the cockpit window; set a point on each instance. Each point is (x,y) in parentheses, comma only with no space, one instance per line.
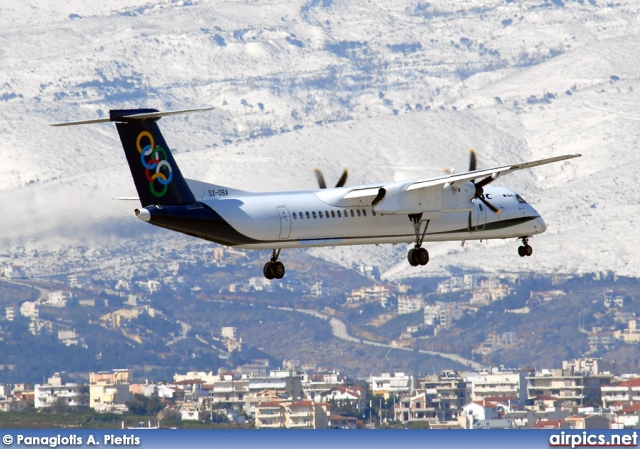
(520,199)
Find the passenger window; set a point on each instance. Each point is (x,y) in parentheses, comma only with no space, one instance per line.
(295,217)
(333,214)
(352,214)
(308,216)
(480,207)
(301,217)
(320,214)
(314,214)
(326,213)
(358,211)
(373,212)
(339,214)
(364,212)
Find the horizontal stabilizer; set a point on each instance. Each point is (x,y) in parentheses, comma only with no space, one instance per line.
(132,115)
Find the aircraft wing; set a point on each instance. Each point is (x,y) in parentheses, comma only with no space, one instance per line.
(443,194)
(493,172)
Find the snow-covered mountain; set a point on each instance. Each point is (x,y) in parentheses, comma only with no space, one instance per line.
(392,90)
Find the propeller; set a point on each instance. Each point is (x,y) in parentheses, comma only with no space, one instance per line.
(323,185)
(479,185)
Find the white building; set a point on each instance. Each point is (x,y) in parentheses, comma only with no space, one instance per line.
(455,284)
(409,304)
(316,289)
(296,415)
(57,299)
(483,415)
(29,309)
(205,377)
(499,384)
(110,390)
(10,313)
(260,283)
(228,332)
(386,384)
(626,391)
(13,272)
(612,299)
(151,285)
(58,391)
(442,314)
(571,387)
(68,337)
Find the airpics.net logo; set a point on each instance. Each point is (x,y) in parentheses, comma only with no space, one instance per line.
(154,160)
(589,439)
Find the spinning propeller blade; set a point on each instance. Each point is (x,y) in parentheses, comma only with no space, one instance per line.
(320,178)
(343,179)
(472,160)
(323,185)
(479,185)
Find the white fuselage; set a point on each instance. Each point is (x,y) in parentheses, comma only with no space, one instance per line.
(303,219)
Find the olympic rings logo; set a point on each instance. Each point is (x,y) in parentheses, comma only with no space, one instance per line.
(157,169)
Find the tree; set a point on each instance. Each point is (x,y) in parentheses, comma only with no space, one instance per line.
(143,405)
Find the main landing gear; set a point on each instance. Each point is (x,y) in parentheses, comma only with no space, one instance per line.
(274,269)
(418,255)
(525,249)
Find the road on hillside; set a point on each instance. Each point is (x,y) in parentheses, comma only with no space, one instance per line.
(43,294)
(339,330)
(184,328)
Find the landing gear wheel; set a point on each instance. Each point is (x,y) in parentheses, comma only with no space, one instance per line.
(411,257)
(418,256)
(278,269)
(525,249)
(422,256)
(274,269)
(268,270)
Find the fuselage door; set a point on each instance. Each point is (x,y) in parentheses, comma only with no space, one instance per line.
(285,222)
(481,216)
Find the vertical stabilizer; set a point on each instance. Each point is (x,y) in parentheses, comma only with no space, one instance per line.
(155,173)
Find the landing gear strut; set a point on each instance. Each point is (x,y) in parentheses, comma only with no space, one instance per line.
(418,255)
(525,249)
(274,269)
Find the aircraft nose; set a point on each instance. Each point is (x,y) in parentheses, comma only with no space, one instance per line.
(541,226)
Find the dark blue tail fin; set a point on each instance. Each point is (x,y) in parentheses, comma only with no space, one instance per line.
(155,172)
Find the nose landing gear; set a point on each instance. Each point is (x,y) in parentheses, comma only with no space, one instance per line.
(525,249)
(274,269)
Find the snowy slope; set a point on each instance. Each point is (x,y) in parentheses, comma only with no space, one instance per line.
(392,91)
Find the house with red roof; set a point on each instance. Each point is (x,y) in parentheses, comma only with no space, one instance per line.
(354,396)
(621,392)
(270,415)
(588,422)
(550,424)
(629,416)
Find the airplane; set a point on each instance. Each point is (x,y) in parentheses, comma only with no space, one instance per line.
(450,207)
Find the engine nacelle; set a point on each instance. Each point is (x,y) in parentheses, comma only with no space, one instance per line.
(457,198)
(438,199)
